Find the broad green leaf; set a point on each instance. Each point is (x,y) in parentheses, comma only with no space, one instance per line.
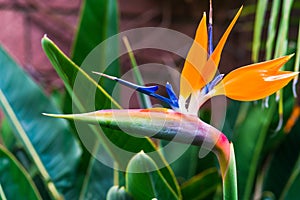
(201,186)
(98,21)
(145,181)
(15,182)
(118,193)
(6,135)
(124,141)
(63,65)
(49,142)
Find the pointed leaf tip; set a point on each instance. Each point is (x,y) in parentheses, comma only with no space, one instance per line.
(192,76)
(216,55)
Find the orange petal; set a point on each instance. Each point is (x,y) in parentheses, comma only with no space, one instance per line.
(195,61)
(253,84)
(216,55)
(270,65)
(197,71)
(208,70)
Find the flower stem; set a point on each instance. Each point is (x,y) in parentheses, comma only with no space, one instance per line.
(230,179)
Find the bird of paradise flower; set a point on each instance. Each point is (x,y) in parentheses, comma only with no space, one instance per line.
(199,82)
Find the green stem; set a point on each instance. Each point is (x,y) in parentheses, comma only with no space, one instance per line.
(144,99)
(230,191)
(2,195)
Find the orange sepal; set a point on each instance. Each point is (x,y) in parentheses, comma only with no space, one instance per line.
(255,81)
(195,61)
(216,55)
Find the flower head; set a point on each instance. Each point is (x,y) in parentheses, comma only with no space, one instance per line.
(199,79)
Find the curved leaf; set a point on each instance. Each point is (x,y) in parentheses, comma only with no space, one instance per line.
(143,183)
(124,141)
(49,142)
(15,182)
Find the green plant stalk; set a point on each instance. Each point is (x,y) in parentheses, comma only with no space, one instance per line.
(283,27)
(230,191)
(2,195)
(281,49)
(30,148)
(88,173)
(272,28)
(258,25)
(292,178)
(145,100)
(297,62)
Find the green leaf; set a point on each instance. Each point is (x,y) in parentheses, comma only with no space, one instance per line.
(6,135)
(145,181)
(122,140)
(201,186)
(15,182)
(98,21)
(49,142)
(63,65)
(118,193)
(249,140)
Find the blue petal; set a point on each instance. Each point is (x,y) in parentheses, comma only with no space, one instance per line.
(213,83)
(147,89)
(150,90)
(172,95)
